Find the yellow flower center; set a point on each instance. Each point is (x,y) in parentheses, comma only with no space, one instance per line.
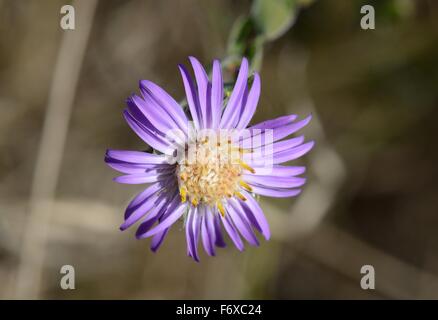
(210,172)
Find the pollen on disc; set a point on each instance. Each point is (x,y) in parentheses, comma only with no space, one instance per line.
(209,172)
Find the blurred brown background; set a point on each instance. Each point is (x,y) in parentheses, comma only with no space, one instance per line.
(372,193)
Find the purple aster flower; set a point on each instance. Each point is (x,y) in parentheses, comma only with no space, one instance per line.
(208,165)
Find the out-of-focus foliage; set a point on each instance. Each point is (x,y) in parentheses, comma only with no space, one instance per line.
(267,21)
(273,18)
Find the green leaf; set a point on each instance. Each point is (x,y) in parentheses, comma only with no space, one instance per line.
(245,41)
(269,19)
(274,17)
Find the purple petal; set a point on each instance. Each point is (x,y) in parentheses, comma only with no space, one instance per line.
(192,97)
(158,239)
(275,192)
(274,181)
(160,207)
(241,223)
(232,232)
(233,107)
(217,94)
(251,103)
(149,111)
(259,137)
(196,225)
(133,214)
(151,138)
(219,239)
(278,170)
(169,105)
(133,168)
(273,148)
(188,231)
(146,123)
(140,178)
(136,157)
(202,84)
(174,215)
(163,205)
(142,196)
(193,225)
(255,215)
(210,223)
(275,123)
(207,236)
(293,153)
(260,156)
(239,107)
(152,117)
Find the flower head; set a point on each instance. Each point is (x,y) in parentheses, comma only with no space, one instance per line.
(208,165)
